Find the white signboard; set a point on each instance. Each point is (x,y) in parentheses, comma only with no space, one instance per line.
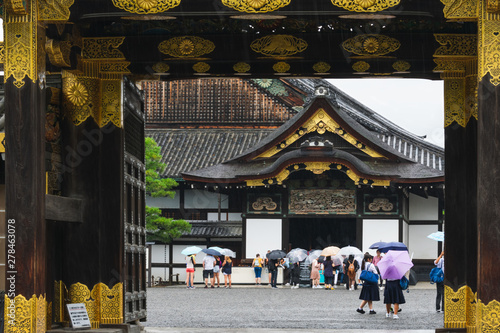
(78,315)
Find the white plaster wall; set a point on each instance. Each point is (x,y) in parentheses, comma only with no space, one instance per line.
(422,209)
(262,235)
(199,199)
(164,202)
(419,245)
(158,254)
(224,216)
(379,231)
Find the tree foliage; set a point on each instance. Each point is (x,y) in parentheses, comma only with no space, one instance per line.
(160,228)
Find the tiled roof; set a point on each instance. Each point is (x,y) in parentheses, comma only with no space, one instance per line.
(212,102)
(185,150)
(231,229)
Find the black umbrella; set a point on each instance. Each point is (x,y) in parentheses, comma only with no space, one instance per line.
(212,252)
(276,254)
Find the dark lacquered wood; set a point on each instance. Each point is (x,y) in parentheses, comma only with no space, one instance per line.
(488,195)
(25,185)
(63,209)
(460,205)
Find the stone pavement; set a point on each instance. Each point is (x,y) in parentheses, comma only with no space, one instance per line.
(243,309)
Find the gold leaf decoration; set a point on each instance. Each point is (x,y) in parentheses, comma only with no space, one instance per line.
(2,53)
(279,45)
(401,66)
(365,5)
(186,47)
(321,67)
(456,45)
(255,6)
(201,67)
(102,48)
(241,67)
(161,67)
(54,11)
(361,66)
(281,67)
(16,7)
(146,6)
(465,10)
(489,50)
(77,94)
(58,52)
(371,45)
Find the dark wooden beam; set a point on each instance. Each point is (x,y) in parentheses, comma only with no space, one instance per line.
(65,209)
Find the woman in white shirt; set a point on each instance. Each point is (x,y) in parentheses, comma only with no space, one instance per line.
(190,262)
(369,292)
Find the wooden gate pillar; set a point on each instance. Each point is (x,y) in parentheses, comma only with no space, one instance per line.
(457,60)
(488,195)
(25,306)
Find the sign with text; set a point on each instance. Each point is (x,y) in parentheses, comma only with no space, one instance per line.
(78,315)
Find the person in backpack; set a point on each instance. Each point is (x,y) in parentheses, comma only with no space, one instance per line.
(257,264)
(369,292)
(439,262)
(351,266)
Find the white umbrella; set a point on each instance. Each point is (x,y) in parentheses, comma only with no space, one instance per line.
(191,250)
(228,252)
(348,250)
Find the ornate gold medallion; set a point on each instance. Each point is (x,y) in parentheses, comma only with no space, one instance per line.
(365,5)
(371,45)
(321,67)
(361,66)
(255,6)
(146,6)
(77,94)
(186,47)
(279,45)
(241,67)
(281,67)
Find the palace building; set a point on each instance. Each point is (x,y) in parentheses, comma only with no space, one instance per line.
(314,168)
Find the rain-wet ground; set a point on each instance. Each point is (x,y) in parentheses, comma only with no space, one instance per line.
(242,308)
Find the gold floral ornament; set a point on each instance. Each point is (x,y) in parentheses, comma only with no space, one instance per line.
(241,67)
(279,45)
(146,6)
(255,6)
(201,67)
(281,67)
(16,7)
(77,94)
(161,67)
(361,66)
(365,5)
(371,45)
(186,47)
(401,66)
(321,67)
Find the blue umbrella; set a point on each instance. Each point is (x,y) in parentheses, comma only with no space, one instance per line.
(394,246)
(376,245)
(211,252)
(191,250)
(437,236)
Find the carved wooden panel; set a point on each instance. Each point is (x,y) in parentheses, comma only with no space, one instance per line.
(322,201)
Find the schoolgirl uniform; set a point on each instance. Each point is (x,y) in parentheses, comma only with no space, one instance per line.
(370,292)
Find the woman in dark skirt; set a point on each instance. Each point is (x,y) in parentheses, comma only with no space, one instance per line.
(393,294)
(369,292)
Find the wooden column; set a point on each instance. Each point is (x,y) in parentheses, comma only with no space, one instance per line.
(488,195)
(456,60)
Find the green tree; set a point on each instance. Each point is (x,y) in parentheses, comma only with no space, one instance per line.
(160,228)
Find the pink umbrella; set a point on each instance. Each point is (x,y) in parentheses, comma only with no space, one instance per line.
(394,265)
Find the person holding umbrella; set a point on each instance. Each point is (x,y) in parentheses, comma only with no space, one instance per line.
(208,270)
(227,267)
(369,292)
(439,262)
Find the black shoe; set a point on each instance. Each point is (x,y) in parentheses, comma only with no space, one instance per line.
(360,311)
(372,312)
(206,287)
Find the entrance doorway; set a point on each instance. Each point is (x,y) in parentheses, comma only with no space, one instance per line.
(318,233)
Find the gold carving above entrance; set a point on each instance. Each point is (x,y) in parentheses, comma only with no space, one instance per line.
(317,168)
(320,122)
(279,46)
(146,6)
(365,5)
(264,203)
(256,6)
(322,201)
(371,45)
(464,10)
(186,47)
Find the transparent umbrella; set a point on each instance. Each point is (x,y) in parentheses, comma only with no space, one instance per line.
(437,236)
(296,255)
(228,252)
(348,250)
(314,254)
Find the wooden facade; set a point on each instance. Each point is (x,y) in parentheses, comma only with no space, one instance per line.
(93,44)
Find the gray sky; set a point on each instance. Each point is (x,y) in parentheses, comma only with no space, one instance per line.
(415,105)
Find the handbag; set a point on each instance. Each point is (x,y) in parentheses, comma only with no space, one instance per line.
(368,276)
(436,275)
(404,283)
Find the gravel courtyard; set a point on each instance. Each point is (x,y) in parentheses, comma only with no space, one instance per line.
(263,307)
